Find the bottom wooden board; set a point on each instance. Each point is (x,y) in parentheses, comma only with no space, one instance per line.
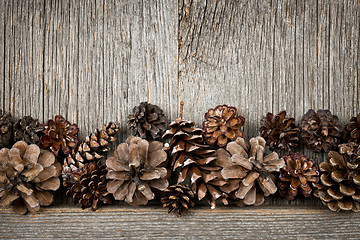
(120,222)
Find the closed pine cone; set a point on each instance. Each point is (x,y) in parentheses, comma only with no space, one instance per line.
(339,188)
(178,199)
(280,132)
(59,136)
(147,121)
(6,129)
(222,125)
(352,130)
(135,169)
(248,170)
(27,129)
(27,174)
(90,190)
(320,131)
(297,174)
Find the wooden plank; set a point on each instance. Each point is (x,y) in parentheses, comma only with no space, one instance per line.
(122,222)
(2,54)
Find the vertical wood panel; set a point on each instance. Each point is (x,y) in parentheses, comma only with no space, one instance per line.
(2,54)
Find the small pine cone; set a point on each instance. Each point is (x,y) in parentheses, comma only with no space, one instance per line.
(135,168)
(248,171)
(186,142)
(27,174)
(280,132)
(339,186)
(147,121)
(178,199)
(320,131)
(27,129)
(297,173)
(6,129)
(59,134)
(90,190)
(352,130)
(221,125)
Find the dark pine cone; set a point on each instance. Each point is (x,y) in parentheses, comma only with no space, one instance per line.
(280,132)
(27,129)
(59,134)
(298,173)
(352,130)
(6,129)
(320,131)
(339,188)
(91,190)
(178,199)
(147,121)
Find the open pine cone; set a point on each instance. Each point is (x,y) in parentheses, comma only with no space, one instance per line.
(221,125)
(6,129)
(352,130)
(27,174)
(298,173)
(279,132)
(320,131)
(147,121)
(135,169)
(178,199)
(27,129)
(248,170)
(339,188)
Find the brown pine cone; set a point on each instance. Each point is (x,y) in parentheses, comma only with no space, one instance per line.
(339,186)
(352,130)
(27,174)
(320,131)
(147,121)
(134,169)
(280,132)
(90,190)
(221,126)
(6,129)
(178,199)
(27,129)
(297,173)
(248,171)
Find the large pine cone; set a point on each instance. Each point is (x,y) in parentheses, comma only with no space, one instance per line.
(339,188)
(59,134)
(178,199)
(147,121)
(298,173)
(221,125)
(352,130)
(280,132)
(135,168)
(27,174)
(90,190)
(320,131)
(27,129)
(248,171)
(6,129)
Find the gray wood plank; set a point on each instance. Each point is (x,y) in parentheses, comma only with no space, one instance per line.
(2,54)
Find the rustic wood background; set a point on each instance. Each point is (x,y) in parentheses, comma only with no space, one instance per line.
(93,61)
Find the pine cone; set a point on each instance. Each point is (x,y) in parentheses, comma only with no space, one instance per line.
(221,125)
(27,129)
(135,169)
(27,174)
(178,198)
(90,190)
(280,132)
(59,134)
(296,174)
(147,121)
(6,129)
(248,170)
(352,130)
(339,186)
(320,131)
